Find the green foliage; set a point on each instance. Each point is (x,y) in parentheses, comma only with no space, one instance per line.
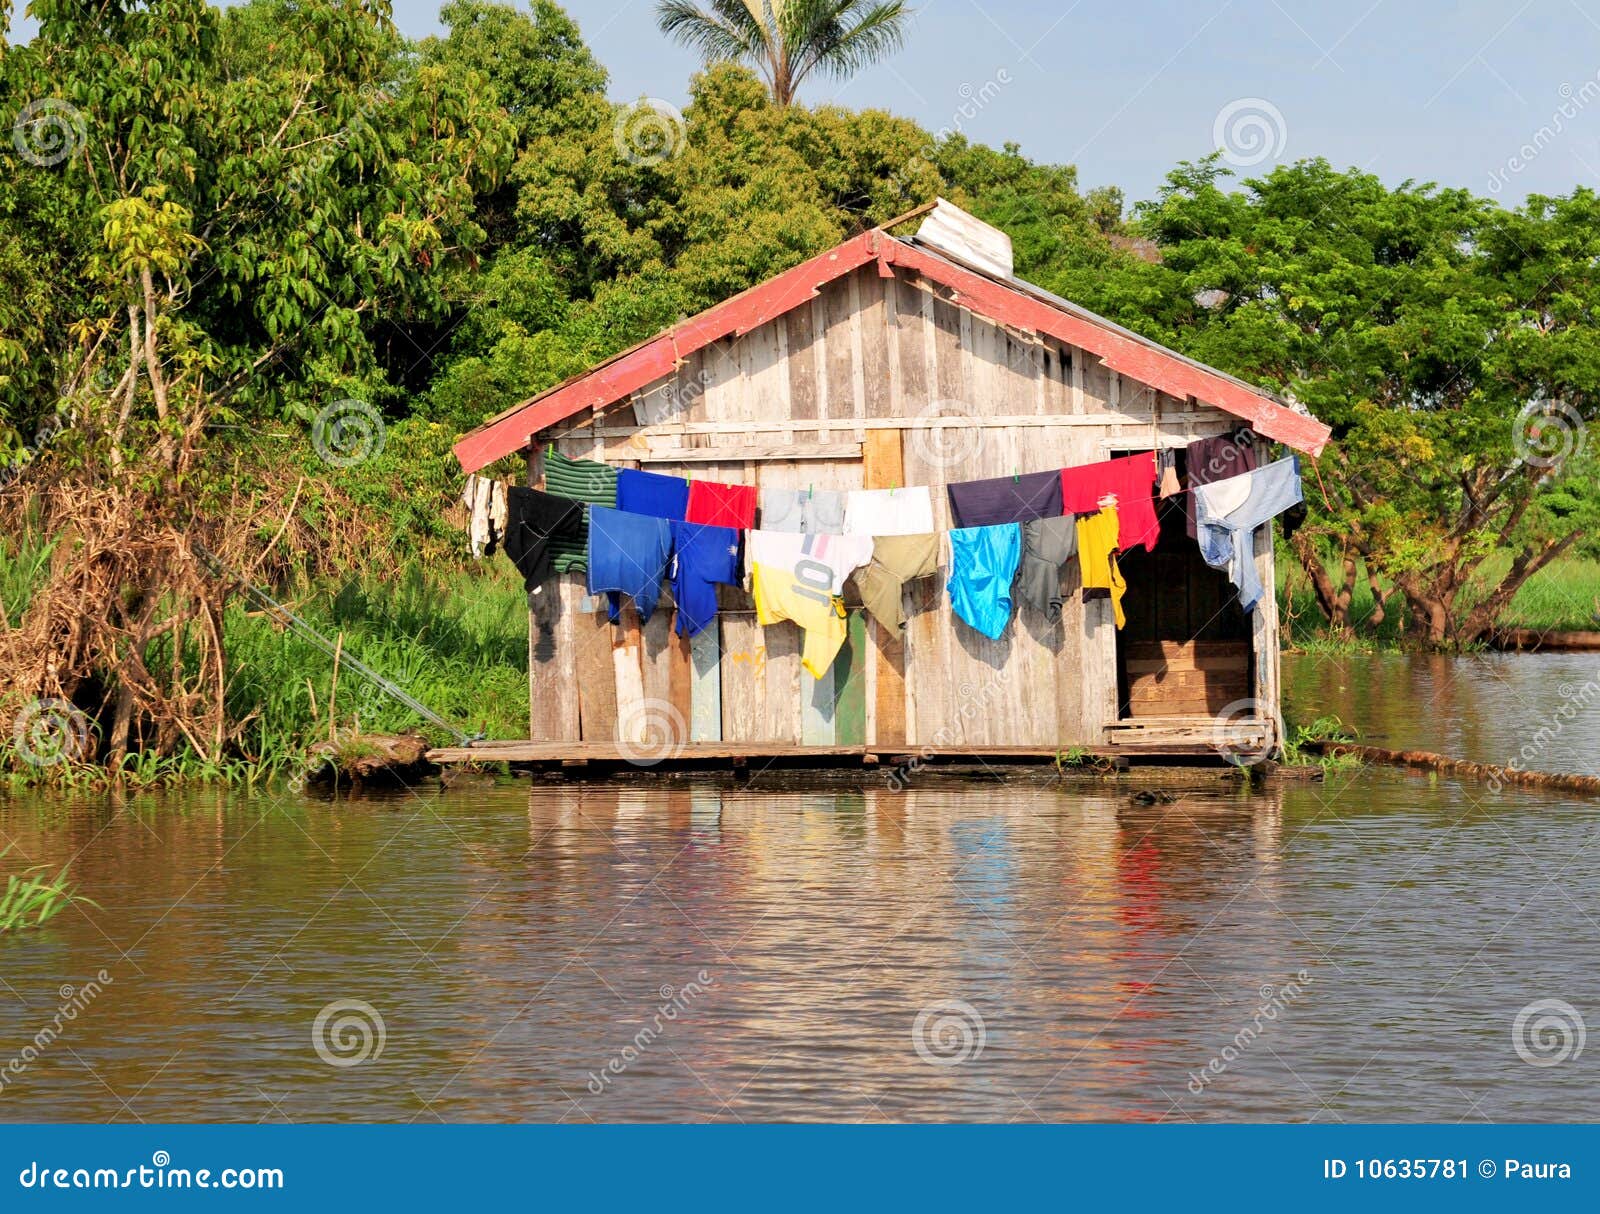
(281,170)
(31,899)
(459,646)
(1447,342)
(787,40)
(1299,749)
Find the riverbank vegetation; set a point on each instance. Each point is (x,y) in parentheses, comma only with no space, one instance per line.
(259,268)
(32,897)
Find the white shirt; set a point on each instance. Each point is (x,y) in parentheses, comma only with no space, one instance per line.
(841,555)
(907,511)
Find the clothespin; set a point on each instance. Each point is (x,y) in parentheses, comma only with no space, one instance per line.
(1016,478)
(813,492)
(892,488)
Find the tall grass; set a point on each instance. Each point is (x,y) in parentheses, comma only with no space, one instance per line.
(31,898)
(456,640)
(458,645)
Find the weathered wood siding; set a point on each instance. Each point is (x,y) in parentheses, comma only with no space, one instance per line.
(877,382)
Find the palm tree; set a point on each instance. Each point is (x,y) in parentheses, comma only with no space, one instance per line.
(786,40)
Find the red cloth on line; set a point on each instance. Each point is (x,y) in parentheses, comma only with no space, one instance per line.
(1132,479)
(718,505)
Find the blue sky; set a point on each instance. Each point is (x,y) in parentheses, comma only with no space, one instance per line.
(1457,93)
(1425,89)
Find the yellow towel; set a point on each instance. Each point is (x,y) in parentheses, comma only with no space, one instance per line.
(1097,556)
(781,596)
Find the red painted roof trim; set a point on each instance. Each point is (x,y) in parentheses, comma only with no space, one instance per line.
(1149,364)
(633,369)
(644,364)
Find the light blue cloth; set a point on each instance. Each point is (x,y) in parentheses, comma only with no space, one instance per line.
(1227,541)
(983,564)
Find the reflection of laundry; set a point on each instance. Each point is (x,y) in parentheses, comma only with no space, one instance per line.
(705,816)
(983,562)
(907,511)
(985,860)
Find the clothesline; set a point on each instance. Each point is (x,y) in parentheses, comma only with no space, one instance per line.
(629,531)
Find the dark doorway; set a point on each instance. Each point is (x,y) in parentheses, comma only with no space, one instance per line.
(1186,650)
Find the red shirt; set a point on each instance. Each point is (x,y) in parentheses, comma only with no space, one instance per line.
(722,505)
(1132,480)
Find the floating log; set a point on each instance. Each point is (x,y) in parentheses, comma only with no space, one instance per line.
(1495,776)
(1534,639)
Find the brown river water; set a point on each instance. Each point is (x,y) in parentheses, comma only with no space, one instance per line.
(1378,947)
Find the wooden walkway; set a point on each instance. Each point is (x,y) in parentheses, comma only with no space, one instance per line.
(742,754)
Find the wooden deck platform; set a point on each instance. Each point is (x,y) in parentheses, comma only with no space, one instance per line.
(1150,737)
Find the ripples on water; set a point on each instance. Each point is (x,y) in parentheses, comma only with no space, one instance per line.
(1067,953)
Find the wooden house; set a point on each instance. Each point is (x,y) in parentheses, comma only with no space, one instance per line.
(896,361)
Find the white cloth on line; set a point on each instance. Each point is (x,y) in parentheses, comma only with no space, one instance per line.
(907,511)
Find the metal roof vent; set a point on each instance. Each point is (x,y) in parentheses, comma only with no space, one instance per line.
(966,239)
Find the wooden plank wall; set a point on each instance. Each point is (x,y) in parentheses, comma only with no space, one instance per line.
(848,392)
